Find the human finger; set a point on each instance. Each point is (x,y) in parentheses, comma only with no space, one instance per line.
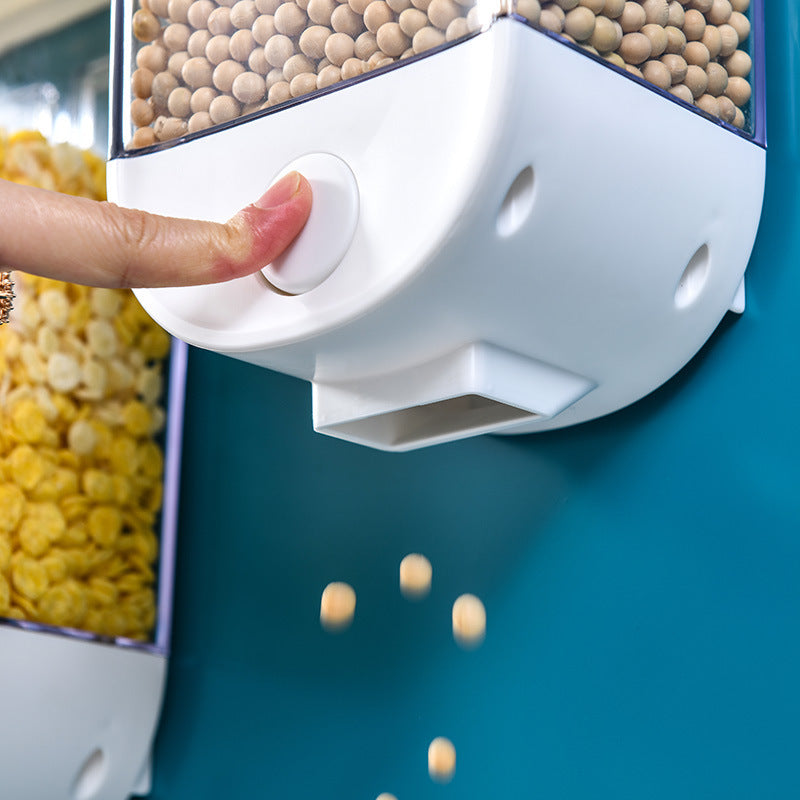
(101,244)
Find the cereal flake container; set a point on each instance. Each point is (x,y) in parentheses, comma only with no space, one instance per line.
(91,392)
(526,214)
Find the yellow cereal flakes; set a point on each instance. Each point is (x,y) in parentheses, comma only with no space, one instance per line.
(28,158)
(81,386)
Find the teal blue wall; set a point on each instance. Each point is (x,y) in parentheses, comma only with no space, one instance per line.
(640,575)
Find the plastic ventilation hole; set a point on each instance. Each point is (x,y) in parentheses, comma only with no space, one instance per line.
(693,279)
(91,776)
(517,204)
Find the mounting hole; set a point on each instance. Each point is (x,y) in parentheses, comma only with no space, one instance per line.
(516,204)
(693,279)
(91,777)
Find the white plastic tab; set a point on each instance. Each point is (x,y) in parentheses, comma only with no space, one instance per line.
(144,782)
(737,306)
(324,240)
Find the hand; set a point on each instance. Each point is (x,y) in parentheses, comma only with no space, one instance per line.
(100,244)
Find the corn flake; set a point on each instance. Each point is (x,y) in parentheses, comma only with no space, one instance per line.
(124,455)
(12,504)
(82,437)
(97,485)
(142,567)
(56,566)
(80,313)
(5,596)
(102,592)
(29,577)
(136,418)
(104,524)
(61,482)
(48,517)
(74,506)
(63,372)
(28,421)
(5,552)
(54,308)
(63,604)
(26,466)
(76,534)
(101,337)
(47,340)
(34,541)
(123,490)
(105,302)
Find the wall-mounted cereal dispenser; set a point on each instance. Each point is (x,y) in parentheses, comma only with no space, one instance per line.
(91,400)
(526,214)
(87,547)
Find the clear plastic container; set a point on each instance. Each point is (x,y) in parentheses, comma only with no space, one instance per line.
(87,523)
(550,183)
(187,67)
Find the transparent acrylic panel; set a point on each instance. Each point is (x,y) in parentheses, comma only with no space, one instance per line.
(186,66)
(88,501)
(193,65)
(90,420)
(706,53)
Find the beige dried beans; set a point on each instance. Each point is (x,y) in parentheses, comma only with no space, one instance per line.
(337,609)
(206,62)
(337,606)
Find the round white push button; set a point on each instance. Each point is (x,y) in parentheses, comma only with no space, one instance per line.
(324,240)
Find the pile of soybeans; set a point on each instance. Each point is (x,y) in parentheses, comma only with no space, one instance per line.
(201,63)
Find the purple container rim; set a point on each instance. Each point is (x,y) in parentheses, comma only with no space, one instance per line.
(759,56)
(176,401)
(79,634)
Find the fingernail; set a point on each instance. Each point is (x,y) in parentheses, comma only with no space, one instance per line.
(281,192)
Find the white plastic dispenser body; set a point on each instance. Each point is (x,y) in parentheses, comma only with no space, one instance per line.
(79,716)
(530,238)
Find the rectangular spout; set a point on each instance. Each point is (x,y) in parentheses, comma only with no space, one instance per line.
(478,388)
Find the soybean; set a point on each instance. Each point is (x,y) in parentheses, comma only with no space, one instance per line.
(469,621)
(441,760)
(337,606)
(416,574)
